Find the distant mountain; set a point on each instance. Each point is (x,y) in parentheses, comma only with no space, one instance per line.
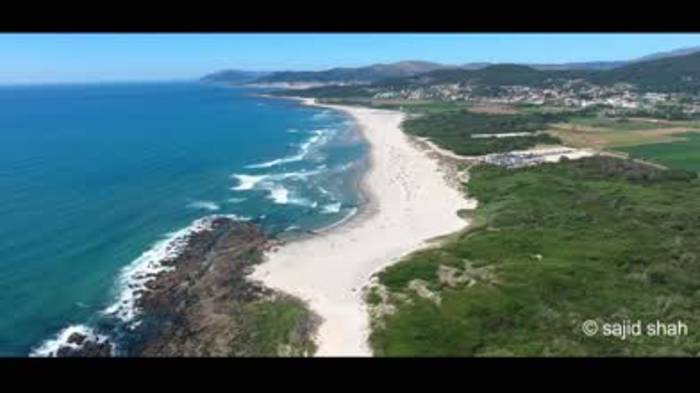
(666,74)
(593,65)
(490,76)
(475,66)
(366,74)
(673,53)
(234,76)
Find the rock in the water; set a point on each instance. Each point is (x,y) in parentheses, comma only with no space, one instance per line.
(82,346)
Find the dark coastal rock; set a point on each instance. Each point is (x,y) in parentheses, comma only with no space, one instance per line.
(77,338)
(85,347)
(205,305)
(195,309)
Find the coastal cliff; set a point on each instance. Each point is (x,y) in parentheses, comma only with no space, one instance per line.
(205,305)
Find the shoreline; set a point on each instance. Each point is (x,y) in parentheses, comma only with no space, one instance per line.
(329,271)
(367,206)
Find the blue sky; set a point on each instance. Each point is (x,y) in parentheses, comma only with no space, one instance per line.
(31,58)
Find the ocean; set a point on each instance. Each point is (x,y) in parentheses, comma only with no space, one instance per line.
(100,181)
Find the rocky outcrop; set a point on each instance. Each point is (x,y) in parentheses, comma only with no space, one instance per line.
(205,305)
(191,310)
(80,345)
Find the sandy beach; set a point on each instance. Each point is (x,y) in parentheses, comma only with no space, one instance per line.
(409,202)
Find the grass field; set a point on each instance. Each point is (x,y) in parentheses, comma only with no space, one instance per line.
(409,106)
(616,124)
(553,246)
(615,138)
(453,130)
(602,132)
(681,154)
(280,327)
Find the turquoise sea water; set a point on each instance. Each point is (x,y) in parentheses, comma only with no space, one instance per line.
(93,177)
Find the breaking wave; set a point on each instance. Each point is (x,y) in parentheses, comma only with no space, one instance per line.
(331,208)
(50,347)
(319,137)
(204,205)
(131,284)
(247,182)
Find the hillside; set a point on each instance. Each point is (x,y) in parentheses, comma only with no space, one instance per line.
(491,76)
(371,73)
(591,65)
(672,53)
(532,269)
(672,74)
(488,74)
(233,76)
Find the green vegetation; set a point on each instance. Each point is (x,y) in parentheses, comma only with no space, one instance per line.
(280,327)
(671,74)
(678,74)
(618,132)
(491,76)
(359,74)
(409,106)
(666,111)
(355,91)
(617,123)
(552,246)
(682,154)
(373,298)
(453,130)
(533,108)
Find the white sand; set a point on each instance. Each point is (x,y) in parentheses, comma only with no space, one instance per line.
(410,202)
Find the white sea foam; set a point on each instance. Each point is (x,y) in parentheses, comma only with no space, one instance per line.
(278,161)
(247,182)
(132,283)
(303,202)
(298,175)
(235,200)
(134,277)
(331,208)
(304,148)
(205,205)
(322,115)
(279,194)
(147,266)
(348,216)
(282,196)
(50,347)
(345,167)
(292,131)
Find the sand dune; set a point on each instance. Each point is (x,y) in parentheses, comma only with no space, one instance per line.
(410,202)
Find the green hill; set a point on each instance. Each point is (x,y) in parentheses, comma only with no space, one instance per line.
(233,76)
(673,74)
(491,76)
(371,73)
(552,246)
